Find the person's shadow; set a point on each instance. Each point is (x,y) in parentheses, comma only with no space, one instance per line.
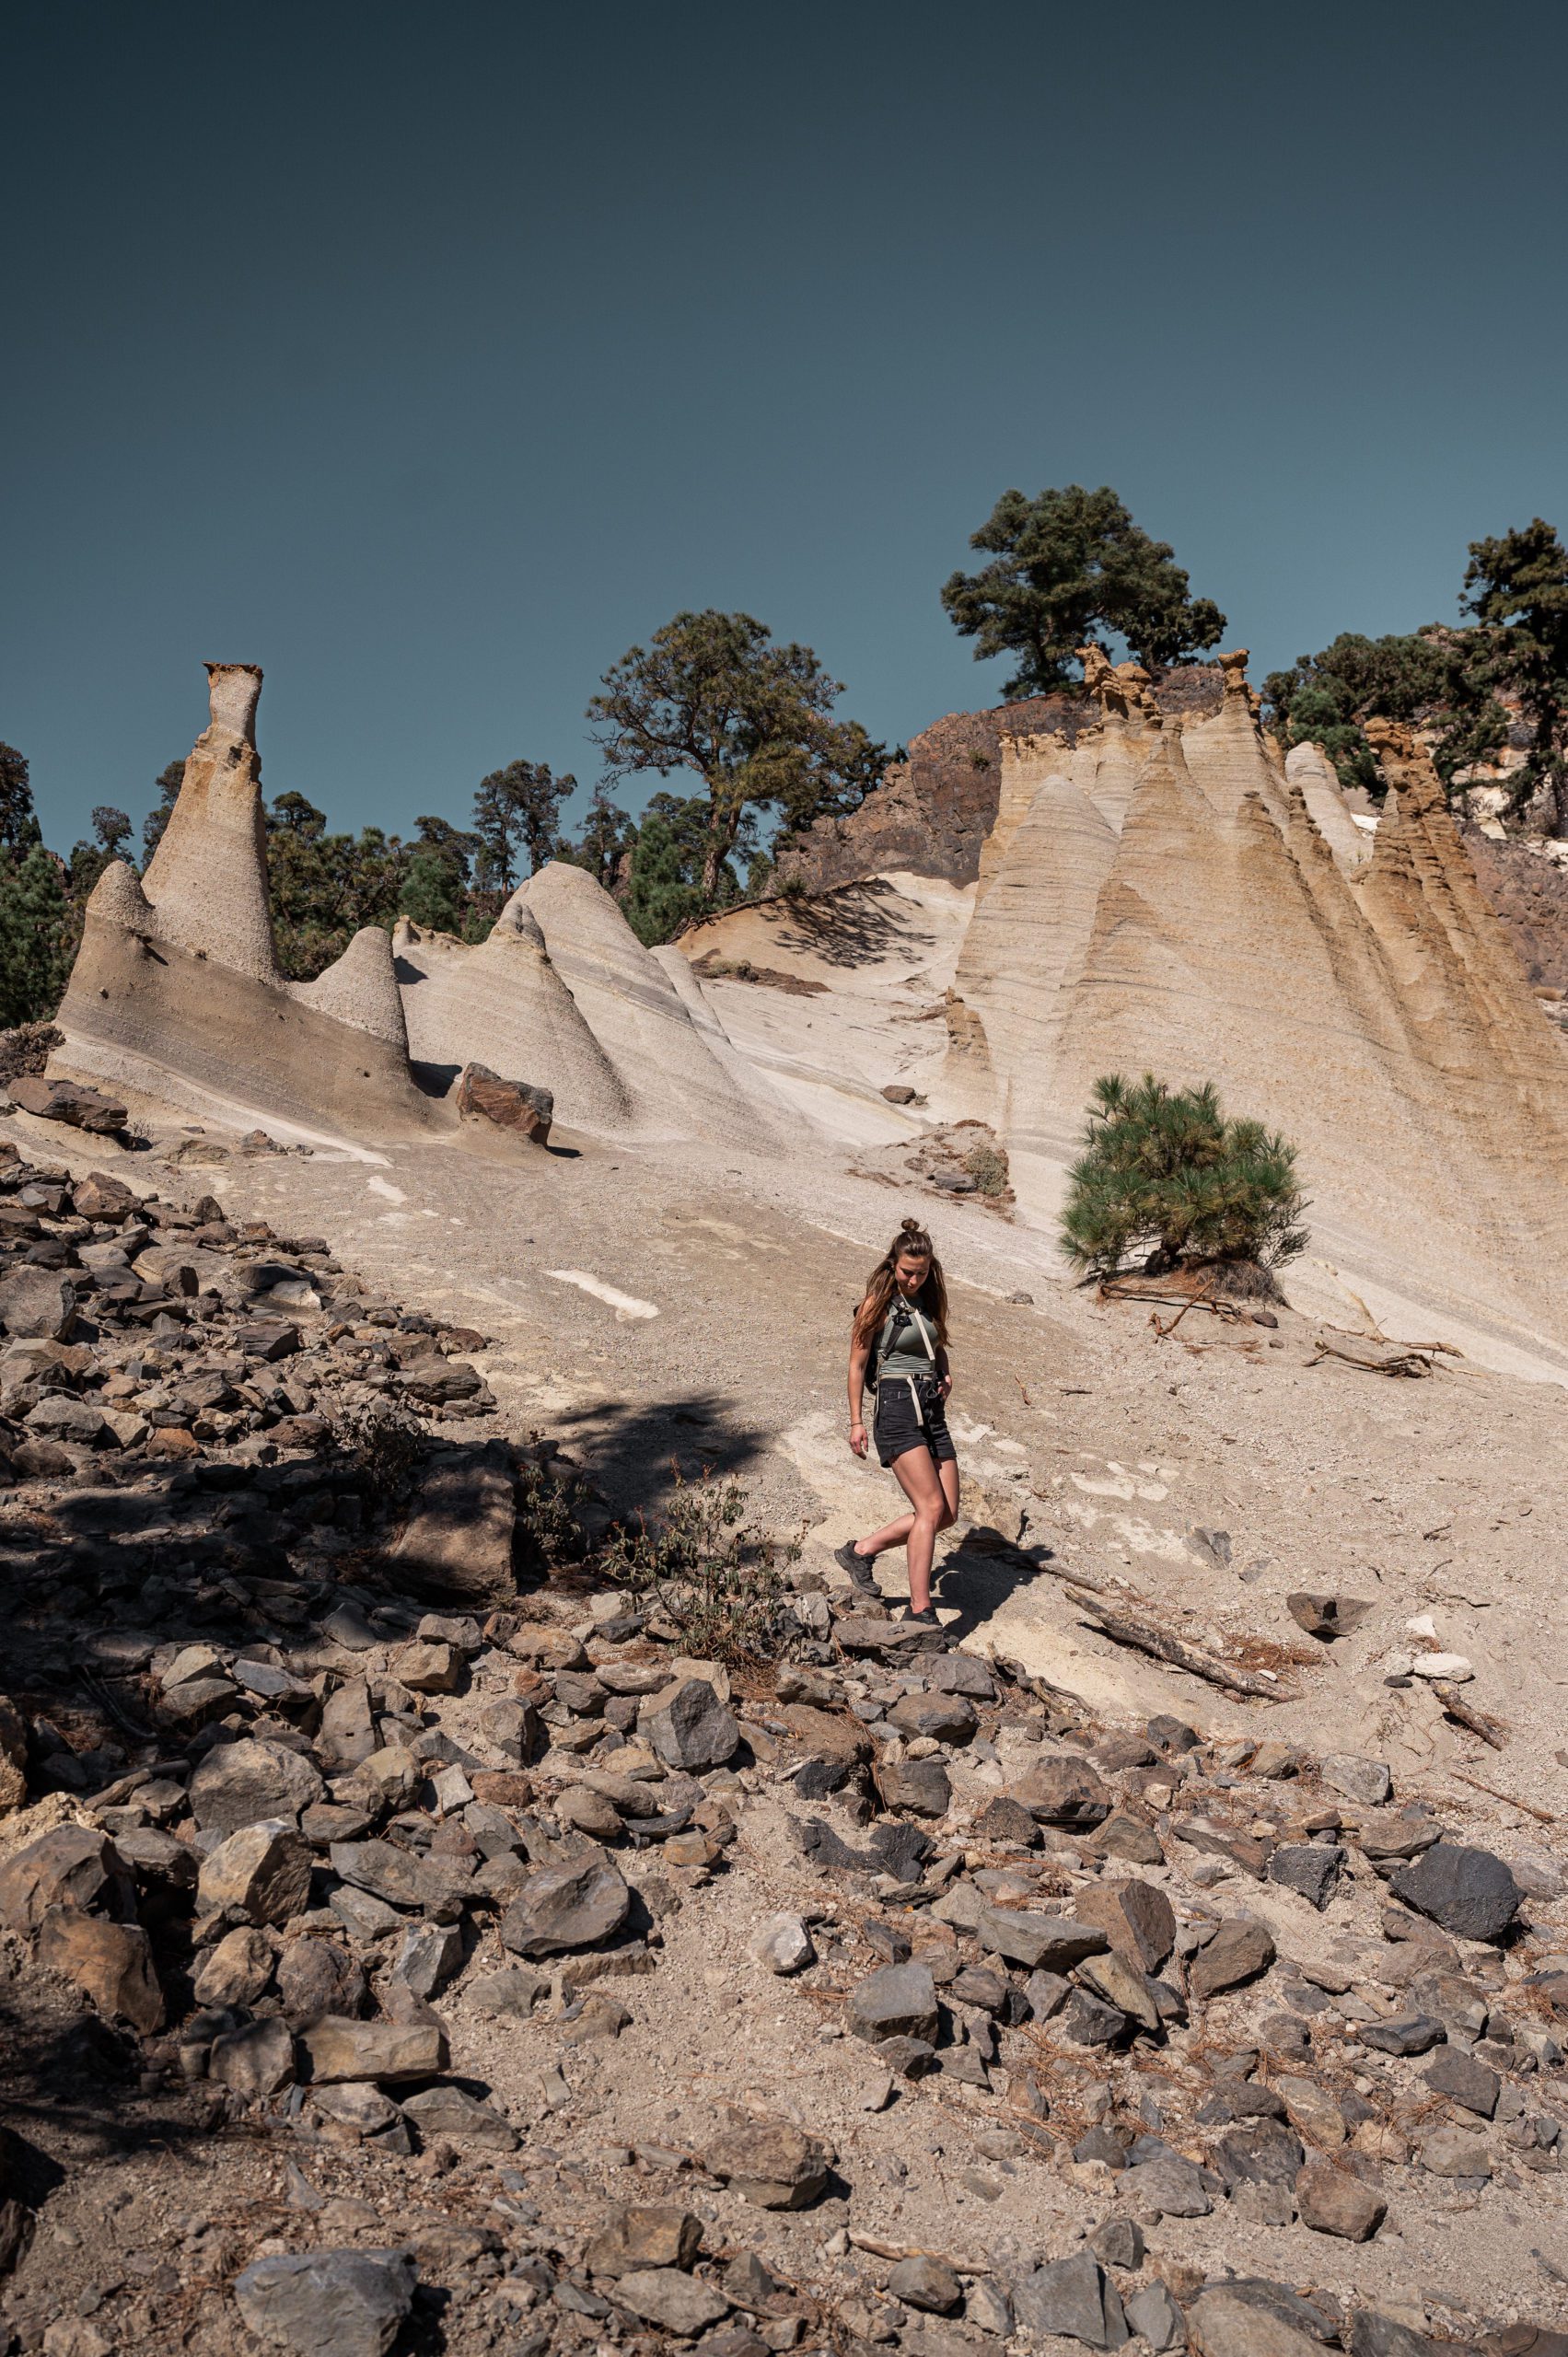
(978,1575)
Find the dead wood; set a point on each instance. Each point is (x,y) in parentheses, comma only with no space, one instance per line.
(1144,1638)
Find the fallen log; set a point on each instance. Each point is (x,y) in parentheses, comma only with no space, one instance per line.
(1465,1714)
(1144,1638)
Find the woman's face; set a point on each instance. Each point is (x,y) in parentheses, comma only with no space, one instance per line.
(910,1272)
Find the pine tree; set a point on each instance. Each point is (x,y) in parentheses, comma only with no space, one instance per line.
(1067,568)
(36,936)
(1166,1176)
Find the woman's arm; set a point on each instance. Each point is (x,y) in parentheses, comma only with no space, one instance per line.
(944,1371)
(859,1354)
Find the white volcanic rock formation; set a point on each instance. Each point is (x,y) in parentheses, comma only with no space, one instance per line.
(176,989)
(1160,893)
(1223,927)
(563,994)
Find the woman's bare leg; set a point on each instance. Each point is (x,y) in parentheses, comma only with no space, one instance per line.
(892,1534)
(917,1477)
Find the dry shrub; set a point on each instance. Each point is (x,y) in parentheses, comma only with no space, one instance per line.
(719,1578)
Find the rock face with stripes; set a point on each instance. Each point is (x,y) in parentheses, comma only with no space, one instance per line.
(563,994)
(176,989)
(1165,895)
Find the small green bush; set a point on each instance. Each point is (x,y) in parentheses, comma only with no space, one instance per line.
(1164,1174)
(987,1166)
(718,1577)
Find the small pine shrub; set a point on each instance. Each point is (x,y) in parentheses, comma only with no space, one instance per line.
(718,1577)
(1164,1176)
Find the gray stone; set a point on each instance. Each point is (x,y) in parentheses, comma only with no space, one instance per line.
(262,1875)
(1071,2298)
(458,1538)
(1173,2188)
(318,1976)
(1465,2080)
(237,1970)
(1154,2315)
(72,1866)
(921,2281)
(1064,1789)
(38,1304)
(1311,1868)
(674,2301)
(240,1783)
(647,2235)
(350,2110)
(1046,1993)
(920,1786)
(1454,2152)
(1238,1951)
(1054,1942)
(1332,2201)
(944,1718)
(428,1955)
(689,1727)
(449,2111)
(1326,1616)
(396,1877)
(63,1417)
(336,2047)
(328,2303)
(513,1990)
(898,2002)
(1136,1918)
(1118,2243)
(771,2164)
(987,2308)
(783,1944)
(512,1105)
(1119,1983)
(1367,1781)
(572,1906)
(1222,2322)
(110,1962)
(1089,2021)
(255,2061)
(1263,2152)
(960,1673)
(1469,1892)
(1404,2033)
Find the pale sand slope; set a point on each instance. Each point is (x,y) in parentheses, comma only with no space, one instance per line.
(870,964)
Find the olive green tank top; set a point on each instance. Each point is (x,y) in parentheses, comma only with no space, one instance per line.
(899,1348)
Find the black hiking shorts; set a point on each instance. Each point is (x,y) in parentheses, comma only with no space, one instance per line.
(911,1414)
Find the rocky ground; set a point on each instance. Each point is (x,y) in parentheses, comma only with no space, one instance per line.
(411,1942)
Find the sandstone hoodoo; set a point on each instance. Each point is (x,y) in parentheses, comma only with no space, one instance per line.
(175,989)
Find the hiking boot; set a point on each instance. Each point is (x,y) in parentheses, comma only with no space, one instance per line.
(861,1574)
(926,1619)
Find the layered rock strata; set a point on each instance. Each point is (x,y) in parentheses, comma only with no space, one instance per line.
(1160,894)
(564,995)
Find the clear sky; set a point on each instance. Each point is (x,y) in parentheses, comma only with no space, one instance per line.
(430,355)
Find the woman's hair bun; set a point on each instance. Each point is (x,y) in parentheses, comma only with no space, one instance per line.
(911,1226)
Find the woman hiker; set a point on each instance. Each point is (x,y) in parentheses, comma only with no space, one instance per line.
(899,1342)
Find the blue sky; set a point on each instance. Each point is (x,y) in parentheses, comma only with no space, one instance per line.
(429,358)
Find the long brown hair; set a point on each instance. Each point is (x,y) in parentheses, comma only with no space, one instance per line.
(913,1243)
